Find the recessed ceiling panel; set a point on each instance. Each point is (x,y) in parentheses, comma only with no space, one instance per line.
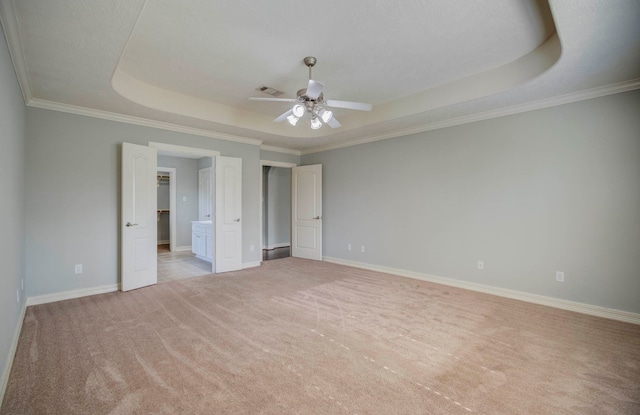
(378,51)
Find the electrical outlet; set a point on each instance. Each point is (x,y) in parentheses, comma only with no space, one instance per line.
(348,247)
(362,248)
(559,276)
(480,264)
(78,268)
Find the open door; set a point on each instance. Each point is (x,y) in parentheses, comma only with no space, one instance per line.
(306,212)
(139,228)
(228,214)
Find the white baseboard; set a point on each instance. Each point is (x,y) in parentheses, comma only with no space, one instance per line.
(246,265)
(182,248)
(592,310)
(4,381)
(163,242)
(67,295)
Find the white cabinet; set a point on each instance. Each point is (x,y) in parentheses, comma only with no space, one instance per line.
(202,240)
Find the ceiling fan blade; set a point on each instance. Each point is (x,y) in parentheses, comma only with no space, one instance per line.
(283,116)
(361,106)
(333,123)
(314,89)
(273,99)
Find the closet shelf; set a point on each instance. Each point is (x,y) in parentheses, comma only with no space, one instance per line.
(160,211)
(163,178)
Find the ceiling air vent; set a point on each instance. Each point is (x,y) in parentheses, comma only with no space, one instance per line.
(269,91)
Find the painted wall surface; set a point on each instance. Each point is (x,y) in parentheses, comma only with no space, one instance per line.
(282,157)
(530,194)
(12,120)
(186,195)
(278,207)
(73,185)
(204,162)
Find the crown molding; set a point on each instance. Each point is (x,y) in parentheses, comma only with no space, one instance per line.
(11,29)
(514,109)
(128,119)
(281,150)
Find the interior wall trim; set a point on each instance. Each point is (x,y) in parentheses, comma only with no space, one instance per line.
(67,295)
(281,150)
(129,119)
(583,308)
(253,264)
(183,248)
(487,115)
(4,381)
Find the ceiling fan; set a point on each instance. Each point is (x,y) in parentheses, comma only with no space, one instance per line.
(311,101)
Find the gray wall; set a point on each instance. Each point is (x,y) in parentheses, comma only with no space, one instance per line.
(12,120)
(186,187)
(283,157)
(204,162)
(277,203)
(72,186)
(530,194)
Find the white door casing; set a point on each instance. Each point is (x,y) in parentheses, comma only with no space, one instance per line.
(306,212)
(204,193)
(228,214)
(139,227)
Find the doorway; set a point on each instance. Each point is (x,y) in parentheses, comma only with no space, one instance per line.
(276,209)
(178,199)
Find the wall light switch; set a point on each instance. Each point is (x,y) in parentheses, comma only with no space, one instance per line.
(78,268)
(362,248)
(184,198)
(348,247)
(252,247)
(559,276)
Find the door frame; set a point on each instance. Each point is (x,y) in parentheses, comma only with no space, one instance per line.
(172,205)
(189,152)
(272,164)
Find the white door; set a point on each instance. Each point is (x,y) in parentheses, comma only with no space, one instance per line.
(228,213)
(204,193)
(139,227)
(306,212)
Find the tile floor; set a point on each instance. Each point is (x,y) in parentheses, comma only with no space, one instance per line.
(179,265)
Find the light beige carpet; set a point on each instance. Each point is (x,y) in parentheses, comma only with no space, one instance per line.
(305,337)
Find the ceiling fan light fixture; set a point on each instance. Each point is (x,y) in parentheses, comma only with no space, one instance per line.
(298,110)
(326,115)
(315,123)
(293,120)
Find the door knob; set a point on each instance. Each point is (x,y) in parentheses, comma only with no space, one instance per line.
(237,220)
(316,218)
(131,224)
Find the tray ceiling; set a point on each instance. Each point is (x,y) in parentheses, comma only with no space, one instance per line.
(192,64)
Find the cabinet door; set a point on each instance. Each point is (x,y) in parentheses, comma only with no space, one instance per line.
(199,244)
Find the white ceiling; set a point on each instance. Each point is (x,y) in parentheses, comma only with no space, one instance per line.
(191,65)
